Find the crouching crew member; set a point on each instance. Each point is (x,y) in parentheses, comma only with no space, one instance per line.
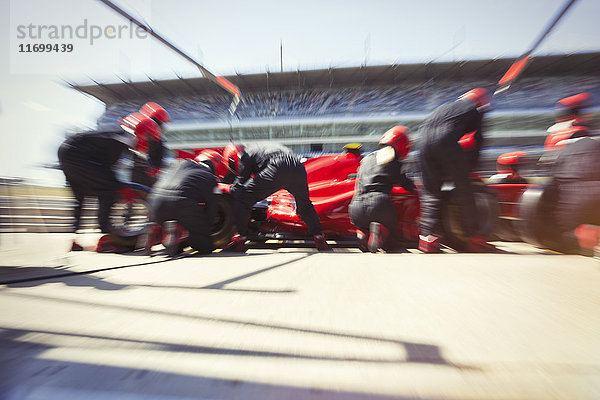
(574,161)
(572,116)
(371,209)
(262,171)
(451,138)
(87,160)
(184,201)
(508,166)
(572,111)
(577,177)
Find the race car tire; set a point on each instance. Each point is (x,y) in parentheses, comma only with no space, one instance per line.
(537,224)
(223,227)
(506,231)
(129,220)
(487,210)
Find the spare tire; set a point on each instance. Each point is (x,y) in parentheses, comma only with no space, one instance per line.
(487,210)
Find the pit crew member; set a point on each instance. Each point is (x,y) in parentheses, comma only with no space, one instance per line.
(371,209)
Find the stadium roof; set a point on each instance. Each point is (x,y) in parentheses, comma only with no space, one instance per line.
(553,65)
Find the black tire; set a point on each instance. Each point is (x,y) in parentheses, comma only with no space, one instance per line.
(223,227)
(507,230)
(129,220)
(536,210)
(487,210)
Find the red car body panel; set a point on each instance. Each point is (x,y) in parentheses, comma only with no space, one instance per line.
(508,195)
(331,184)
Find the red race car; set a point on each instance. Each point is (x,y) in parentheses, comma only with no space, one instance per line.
(508,207)
(331,182)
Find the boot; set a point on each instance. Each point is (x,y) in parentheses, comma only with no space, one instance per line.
(237,244)
(377,236)
(173,236)
(151,238)
(478,244)
(107,244)
(362,238)
(320,243)
(76,246)
(587,236)
(429,244)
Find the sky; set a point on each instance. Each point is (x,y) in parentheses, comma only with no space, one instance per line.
(228,37)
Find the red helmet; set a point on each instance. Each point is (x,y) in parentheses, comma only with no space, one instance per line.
(231,156)
(156,112)
(479,96)
(397,137)
(216,159)
(571,107)
(553,140)
(510,162)
(143,128)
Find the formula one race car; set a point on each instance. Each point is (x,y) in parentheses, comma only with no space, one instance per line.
(331,181)
(504,212)
(509,208)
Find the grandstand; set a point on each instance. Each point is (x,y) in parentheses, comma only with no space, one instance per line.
(320,110)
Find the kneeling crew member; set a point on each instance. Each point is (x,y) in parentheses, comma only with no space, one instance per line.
(262,171)
(572,115)
(186,195)
(508,166)
(371,209)
(577,176)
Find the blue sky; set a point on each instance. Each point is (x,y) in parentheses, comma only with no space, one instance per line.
(244,37)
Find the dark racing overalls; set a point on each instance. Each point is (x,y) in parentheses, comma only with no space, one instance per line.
(577,176)
(187,193)
(372,202)
(87,160)
(263,171)
(442,159)
(145,167)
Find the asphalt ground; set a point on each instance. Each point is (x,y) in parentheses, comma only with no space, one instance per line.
(284,321)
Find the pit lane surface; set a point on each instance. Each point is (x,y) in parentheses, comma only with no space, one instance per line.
(289,322)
